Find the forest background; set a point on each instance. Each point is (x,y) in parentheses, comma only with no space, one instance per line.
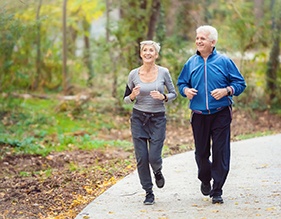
(64,131)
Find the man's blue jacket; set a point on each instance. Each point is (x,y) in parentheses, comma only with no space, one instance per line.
(218,71)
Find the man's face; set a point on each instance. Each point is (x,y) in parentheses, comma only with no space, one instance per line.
(204,45)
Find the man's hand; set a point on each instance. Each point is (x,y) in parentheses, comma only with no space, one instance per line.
(219,93)
(190,92)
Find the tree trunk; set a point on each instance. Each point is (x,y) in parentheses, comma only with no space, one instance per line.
(273,62)
(64,52)
(136,19)
(111,54)
(38,44)
(155,12)
(108,9)
(87,54)
(143,6)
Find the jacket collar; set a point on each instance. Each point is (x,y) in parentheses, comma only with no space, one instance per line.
(214,51)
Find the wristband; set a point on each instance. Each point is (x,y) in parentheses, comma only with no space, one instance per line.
(165,98)
(228,91)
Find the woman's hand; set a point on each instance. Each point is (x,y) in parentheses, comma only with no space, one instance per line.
(135,92)
(155,94)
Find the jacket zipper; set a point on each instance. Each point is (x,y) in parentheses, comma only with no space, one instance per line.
(206,84)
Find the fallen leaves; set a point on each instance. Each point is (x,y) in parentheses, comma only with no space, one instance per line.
(271,209)
(62,192)
(60,185)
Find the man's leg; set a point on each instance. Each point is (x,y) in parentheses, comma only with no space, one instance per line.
(201,133)
(220,150)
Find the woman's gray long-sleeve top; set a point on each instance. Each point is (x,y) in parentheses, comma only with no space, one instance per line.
(144,102)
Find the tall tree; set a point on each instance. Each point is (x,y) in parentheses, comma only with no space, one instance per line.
(273,65)
(132,29)
(38,46)
(11,30)
(155,12)
(181,19)
(111,54)
(87,52)
(82,13)
(64,47)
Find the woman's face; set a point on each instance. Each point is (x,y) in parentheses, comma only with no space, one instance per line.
(204,45)
(148,54)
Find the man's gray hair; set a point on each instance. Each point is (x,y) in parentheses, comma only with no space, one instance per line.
(210,30)
(150,42)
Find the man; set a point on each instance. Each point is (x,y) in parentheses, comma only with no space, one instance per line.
(209,80)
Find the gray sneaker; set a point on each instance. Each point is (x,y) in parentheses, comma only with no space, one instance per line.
(159,179)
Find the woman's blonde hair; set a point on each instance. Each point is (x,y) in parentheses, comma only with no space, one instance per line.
(150,42)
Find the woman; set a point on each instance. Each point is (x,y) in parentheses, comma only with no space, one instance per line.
(145,89)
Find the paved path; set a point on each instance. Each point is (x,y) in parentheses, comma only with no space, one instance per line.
(252,190)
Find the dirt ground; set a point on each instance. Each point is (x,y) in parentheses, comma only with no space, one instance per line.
(62,184)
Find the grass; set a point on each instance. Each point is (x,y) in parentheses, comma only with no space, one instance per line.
(40,126)
(253,135)
(42,173)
